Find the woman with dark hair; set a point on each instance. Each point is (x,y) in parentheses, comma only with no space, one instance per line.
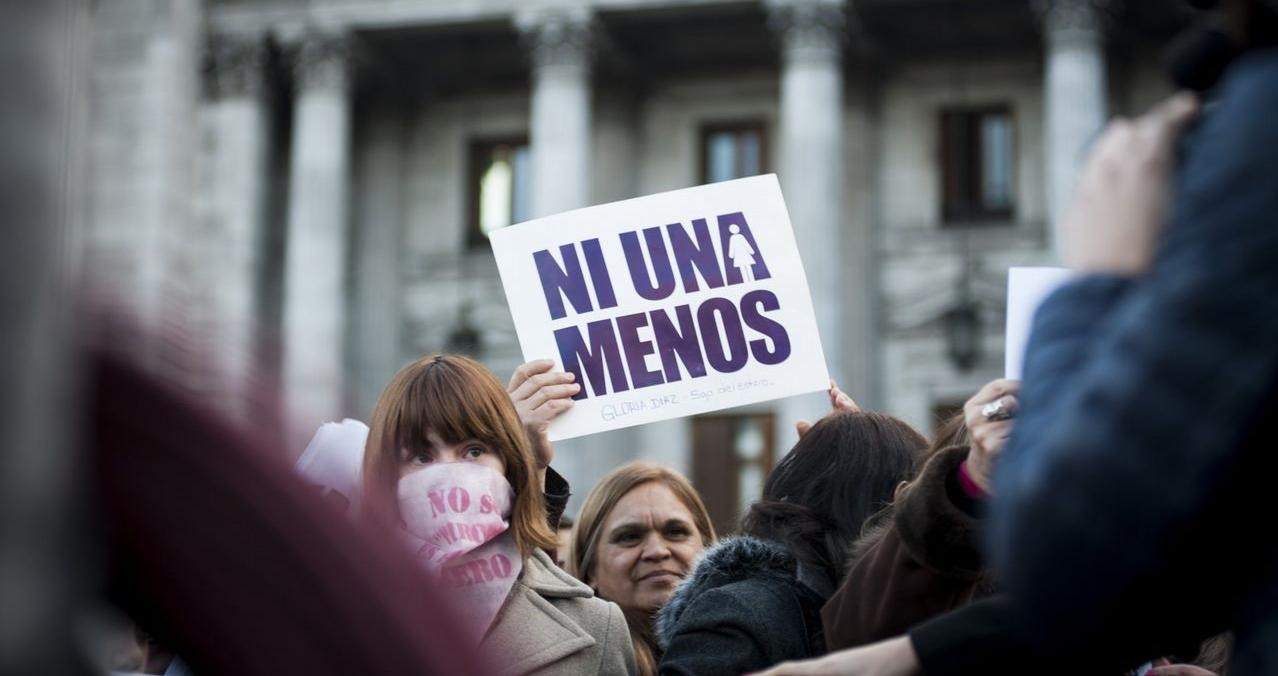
(755,600)
(922,557)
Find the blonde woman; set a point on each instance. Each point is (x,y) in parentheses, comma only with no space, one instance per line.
(637,536)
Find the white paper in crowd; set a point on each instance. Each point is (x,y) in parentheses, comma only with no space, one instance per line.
(1027,288)
(665,306)
(334,457)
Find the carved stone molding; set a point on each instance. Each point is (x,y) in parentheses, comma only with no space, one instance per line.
(235,66)
(563,37)
(322,60)
(809,30)
(1063,19)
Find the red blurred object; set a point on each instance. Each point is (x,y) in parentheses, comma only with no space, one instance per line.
(220,552)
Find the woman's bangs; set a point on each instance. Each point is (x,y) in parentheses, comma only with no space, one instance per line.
(441,401)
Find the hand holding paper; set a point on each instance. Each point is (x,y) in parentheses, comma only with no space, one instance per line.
(540,395)
(839,402)
(664,306)
(988,428)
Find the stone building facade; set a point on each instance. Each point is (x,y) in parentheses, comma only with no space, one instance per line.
(307,182)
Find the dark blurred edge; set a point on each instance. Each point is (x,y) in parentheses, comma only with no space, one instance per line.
(194,527)
(43,572)
(218,550)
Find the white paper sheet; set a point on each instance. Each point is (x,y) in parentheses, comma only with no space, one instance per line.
(1027,288)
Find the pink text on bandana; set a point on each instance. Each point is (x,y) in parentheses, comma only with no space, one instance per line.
(456,520)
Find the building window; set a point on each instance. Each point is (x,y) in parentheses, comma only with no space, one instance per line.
(977,164)
(498,187)
(731,151)
(732,458)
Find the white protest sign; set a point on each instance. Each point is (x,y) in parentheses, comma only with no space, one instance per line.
(1027,288)
(665,306)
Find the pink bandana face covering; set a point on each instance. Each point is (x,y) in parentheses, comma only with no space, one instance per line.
(456,519)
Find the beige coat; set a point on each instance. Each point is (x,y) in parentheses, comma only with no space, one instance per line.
(552,623)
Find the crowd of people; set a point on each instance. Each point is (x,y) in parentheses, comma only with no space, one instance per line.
(1094,518)
(462,468)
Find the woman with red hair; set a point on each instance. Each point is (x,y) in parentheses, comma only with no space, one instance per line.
(450,465)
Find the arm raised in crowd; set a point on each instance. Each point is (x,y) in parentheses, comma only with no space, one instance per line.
(839,402)
(540,396)
(1123,492)
(926,559)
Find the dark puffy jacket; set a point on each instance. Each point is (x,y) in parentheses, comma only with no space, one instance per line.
(748,605)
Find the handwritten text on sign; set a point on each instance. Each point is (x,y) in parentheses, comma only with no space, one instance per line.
(665,306)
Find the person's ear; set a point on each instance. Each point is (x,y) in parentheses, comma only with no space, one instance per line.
(900,489)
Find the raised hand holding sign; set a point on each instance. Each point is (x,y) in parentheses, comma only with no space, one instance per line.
(665,306)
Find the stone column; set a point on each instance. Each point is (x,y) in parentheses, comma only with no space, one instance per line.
(376,310)
(1074,92)
(559,137)
(315,249)
(235,208)
(43,475)
(559,40)
(811,170)
(142,158)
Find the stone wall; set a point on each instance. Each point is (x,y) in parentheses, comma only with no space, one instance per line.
(922,260)
(168,207)
(142,96)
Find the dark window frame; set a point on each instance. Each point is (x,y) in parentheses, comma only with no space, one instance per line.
(477,150)
(714,437)
(961,170)
(709,129)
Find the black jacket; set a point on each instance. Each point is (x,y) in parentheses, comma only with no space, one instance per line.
(748,605)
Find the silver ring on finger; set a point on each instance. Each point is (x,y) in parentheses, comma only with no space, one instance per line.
(996,410)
